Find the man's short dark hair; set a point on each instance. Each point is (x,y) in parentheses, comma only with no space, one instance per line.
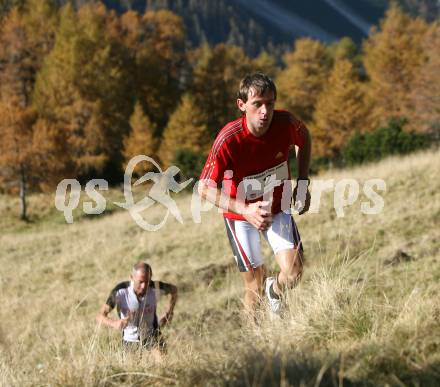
(260,82)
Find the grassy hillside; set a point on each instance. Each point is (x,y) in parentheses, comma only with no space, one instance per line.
(366,312)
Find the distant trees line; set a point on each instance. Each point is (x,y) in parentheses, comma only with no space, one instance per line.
(82,91)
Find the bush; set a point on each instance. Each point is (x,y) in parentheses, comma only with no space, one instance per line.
(189,162)
(316,165)
(385,141)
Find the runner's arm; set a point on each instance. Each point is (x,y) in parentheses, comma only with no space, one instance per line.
(171,290)
(216,196)
(102,318)
(254,213)
(303,155)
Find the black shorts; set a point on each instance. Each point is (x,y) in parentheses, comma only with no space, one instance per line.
(155,340)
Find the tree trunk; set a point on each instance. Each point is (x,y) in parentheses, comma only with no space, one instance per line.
(23,194)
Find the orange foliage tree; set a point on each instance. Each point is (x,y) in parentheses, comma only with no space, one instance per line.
(424,108)
(393,54)
(140,140)
(304,77)
(340,110)
(85,89)
(186,130)
(24,141)
(216,78)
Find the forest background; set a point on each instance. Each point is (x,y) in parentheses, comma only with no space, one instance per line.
(86,85)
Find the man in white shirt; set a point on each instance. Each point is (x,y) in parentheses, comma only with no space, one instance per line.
(136,305)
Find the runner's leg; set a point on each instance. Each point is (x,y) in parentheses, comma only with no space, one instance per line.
(245,243)
(253,287)
(291,267)
(284,238)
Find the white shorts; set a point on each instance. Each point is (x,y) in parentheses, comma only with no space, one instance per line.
(245,239)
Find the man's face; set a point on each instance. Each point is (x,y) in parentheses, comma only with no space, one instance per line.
(258,110)
(140,279)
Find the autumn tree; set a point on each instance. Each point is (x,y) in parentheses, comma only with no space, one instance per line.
(216,78)
(186,130)
(424,111)
(27,37)
(155,43)
(344,48)
(16,114)
(51,158)
(266,64)
(17,61)
(304,77)
(83,88)
(40,18)
(140,140)
(16,149)
(340,110)
(32,153)
(7,5)
(392,56)
(162,64)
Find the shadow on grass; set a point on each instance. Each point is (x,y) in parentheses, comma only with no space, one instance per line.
(296,369)
(292,369)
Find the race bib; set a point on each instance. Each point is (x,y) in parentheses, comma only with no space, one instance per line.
(255,186)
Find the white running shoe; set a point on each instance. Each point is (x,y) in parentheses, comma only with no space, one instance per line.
(275,304)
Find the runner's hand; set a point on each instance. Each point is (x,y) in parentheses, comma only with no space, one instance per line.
(121,324)
(301,204)
(166,318)
(258,214)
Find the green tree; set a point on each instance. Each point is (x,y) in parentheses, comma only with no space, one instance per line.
(382,142)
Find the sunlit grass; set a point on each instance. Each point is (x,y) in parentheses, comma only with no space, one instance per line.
(366,312)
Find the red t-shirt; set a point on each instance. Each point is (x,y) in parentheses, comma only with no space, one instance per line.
(253,168)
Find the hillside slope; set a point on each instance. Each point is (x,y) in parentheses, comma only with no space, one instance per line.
(366,312)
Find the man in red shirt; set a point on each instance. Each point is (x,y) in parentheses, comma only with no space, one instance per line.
(247,175)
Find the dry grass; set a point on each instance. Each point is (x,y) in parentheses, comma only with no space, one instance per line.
(366,312)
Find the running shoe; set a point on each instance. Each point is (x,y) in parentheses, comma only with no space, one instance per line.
(275,303)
